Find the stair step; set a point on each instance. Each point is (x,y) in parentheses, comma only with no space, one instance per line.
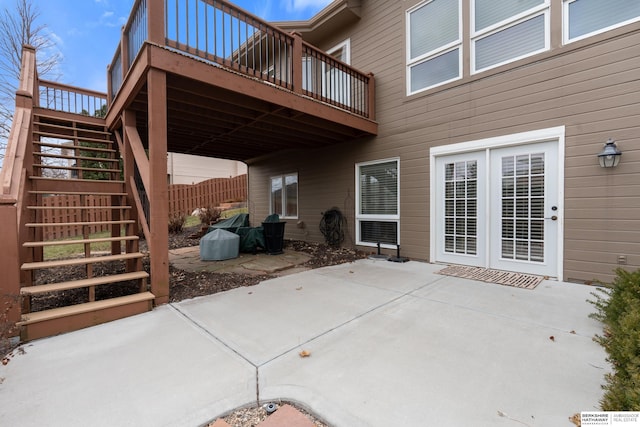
(83,283)
(78,224)
(59,126)
(62,156)
(74,168)
(85,186)
(79,193)
(95,181)
(78,207)
(77,241)
(70,147)
(71,318)
(79,261)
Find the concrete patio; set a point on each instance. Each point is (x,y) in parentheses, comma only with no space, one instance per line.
(390,345)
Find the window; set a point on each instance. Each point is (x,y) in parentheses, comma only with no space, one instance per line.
(505,31)
(434,48)
(284,195)
(585,18)
(377,210)
(337,83)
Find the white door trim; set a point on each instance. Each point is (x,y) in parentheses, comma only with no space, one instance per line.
(541,135)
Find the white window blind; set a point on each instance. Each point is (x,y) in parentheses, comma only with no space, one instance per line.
(513,42)
(378,203)
(379,189)
(433,26)
(439,69)
(490,12)
(434,44)
(591,16)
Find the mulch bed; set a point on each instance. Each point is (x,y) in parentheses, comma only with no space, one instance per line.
(182,284)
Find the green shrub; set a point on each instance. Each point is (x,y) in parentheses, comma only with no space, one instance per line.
(618,307)
(176,223)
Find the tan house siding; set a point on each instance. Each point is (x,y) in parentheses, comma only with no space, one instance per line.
(592,87)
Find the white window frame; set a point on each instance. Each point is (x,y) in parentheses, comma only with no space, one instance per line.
(411,62)
(523,138)
(338,97)
(381,218)
(346,45)
(565,25)
(543,9)
(283,180)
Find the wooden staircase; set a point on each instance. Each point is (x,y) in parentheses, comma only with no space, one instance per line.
(75,189)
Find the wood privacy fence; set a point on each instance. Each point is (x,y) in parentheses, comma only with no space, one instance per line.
(183,199)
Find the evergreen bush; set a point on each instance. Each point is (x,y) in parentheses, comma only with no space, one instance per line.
(618,308)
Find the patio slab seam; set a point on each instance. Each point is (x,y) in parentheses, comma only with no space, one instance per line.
(206,332)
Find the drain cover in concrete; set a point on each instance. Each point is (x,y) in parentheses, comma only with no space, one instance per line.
(526,281)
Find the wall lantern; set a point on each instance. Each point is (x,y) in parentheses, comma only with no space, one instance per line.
(609,157)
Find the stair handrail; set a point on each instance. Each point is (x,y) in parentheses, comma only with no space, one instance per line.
(71,99)
(13,189)
(18,151)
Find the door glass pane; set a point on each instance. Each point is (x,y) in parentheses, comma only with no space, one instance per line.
(461,216)
(523,209)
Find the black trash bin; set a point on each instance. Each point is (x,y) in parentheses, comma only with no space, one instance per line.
(274,237)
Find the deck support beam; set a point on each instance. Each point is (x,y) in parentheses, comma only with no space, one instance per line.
(158,194)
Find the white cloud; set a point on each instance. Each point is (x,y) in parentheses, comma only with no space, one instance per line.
(302,5)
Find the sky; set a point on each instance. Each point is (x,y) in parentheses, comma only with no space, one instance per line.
(87,32)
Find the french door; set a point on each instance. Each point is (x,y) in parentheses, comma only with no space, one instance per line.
(498,208)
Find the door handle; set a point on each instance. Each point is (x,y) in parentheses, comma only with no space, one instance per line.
(552,218)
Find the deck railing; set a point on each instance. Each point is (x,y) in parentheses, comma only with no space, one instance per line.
(221,33)
(14,188)
(69,99)
(331,80)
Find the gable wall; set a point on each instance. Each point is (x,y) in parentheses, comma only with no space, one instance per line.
(591,87)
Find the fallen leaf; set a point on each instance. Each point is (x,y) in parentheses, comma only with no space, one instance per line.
(305,353)
(299,289)
(250,293)
(350,271)
(573,332)
(5,361)
(552,338)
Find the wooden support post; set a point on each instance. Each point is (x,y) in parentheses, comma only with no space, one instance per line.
(10,267)
(371,113)
(297,63)
(158,193)
(129,119)
(155,22)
